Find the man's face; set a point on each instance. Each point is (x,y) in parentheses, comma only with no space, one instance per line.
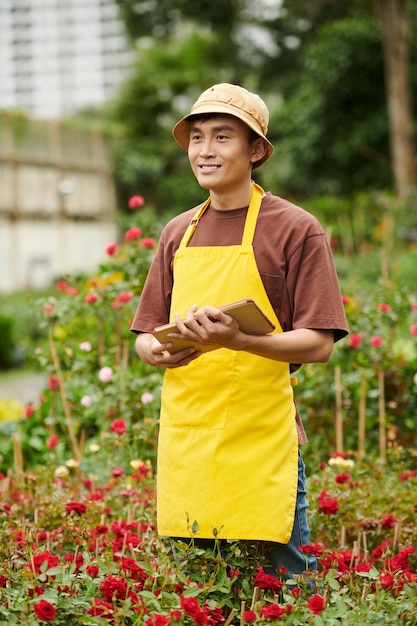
(220,153)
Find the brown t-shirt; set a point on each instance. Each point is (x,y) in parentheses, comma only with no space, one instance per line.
(293,257)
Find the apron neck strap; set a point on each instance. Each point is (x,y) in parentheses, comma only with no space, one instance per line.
(250,223)
(252,214)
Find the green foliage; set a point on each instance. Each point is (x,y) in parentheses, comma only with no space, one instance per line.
(318,65)
(333,128)
(7,342)
(146,156)
(84,326)
(383,339)
(160,18)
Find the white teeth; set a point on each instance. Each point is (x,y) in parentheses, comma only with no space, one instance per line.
(209,167)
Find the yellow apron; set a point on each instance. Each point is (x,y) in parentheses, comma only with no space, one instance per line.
(228,451)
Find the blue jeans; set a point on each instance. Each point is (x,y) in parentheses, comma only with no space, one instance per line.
(287,554)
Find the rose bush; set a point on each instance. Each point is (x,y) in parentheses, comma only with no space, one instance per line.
(80,547)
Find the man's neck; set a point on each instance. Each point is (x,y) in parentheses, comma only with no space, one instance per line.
(233,199)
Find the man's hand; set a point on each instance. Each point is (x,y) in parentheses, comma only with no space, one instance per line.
(154,353)
(207,325)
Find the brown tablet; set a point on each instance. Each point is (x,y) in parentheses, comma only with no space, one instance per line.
(248,315)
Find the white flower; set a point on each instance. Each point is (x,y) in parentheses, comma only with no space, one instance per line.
(61,471)
(72,463)
(86,401)
(341,462)
(105,374)
(86,346)
(94,447)
(146,398)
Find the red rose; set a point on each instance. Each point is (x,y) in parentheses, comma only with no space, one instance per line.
(342,478)
(76,507)
(114,587)
(311,548)
(111,249)
(267,581)
(175,615)
(316,604)
(29,410)
(387,581)
(129,566)
(44,610)
(388,521)
(385,308)
(190,606)
(157,620)
(90,298)
(125,296)
(133,233)
(249,616)
(117,471)
(101,608)
(52,442)
(53,383)
(377,341)
(273,611)
(135,202)
(38,559)
(327,504)
(92,570)
(118,426)
(147,243)
(355,340)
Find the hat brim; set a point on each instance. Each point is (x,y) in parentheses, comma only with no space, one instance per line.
(181,130)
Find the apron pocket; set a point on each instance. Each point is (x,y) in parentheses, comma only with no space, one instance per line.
(205,383)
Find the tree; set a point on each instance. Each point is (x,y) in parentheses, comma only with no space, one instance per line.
(318,64)
(393,16)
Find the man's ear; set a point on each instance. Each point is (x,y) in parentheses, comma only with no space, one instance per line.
(258,149)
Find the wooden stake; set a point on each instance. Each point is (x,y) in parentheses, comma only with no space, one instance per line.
(18,454)
(384,266)
(230,618)
(362,416)
(365,591)
(242,610)
(396,536)
(338,411)
(65,404)
(381,417)
(255,598)
(342,537)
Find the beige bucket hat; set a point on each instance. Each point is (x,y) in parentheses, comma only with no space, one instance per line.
(231,100)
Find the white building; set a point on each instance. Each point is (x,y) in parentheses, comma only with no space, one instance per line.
(60,56)
(57,202)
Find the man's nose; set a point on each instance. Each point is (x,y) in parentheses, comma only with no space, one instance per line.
(206,148)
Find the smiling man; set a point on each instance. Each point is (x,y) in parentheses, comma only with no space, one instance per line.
(230,432)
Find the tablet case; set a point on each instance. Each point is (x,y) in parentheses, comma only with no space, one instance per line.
(248,315)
